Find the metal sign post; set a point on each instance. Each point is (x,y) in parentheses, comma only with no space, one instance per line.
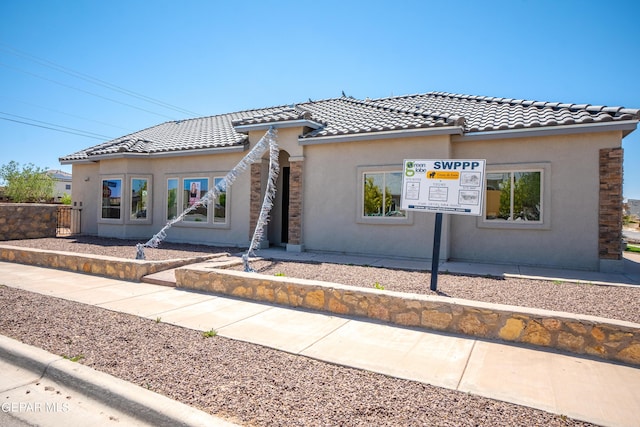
(451,186)
(435,257)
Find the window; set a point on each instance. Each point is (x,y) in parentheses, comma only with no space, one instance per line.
(172,198)
(139,198)
(67,186)
(381,194)
(514,196)
(111,198)
(185,193)
(220,209)
(193,190)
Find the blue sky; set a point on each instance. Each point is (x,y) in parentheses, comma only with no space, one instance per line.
(211,57)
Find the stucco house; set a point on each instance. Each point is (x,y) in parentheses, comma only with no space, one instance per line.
(62,183)
(553,190)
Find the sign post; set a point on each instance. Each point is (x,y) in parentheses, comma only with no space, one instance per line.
(451,186)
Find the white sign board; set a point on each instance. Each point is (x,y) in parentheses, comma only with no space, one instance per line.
(452,186)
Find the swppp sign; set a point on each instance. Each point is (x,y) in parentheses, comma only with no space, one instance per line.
(451,186)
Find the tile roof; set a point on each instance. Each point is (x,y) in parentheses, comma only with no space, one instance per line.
(192,134)
(482,113)
(349,116)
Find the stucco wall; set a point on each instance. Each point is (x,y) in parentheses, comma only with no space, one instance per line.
(570,237)
(332,205)
(159,169)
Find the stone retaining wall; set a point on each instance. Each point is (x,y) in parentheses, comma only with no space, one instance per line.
(594,336)
(27,221)
(116,268)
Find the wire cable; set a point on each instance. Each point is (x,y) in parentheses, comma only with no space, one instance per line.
(86,91)
(57,128)
(95,80)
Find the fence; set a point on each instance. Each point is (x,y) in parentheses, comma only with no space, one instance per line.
(68,221)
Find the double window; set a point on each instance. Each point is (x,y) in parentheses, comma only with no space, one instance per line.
(517,196)
(188,194)
(379,192)
(514,196)
(122,199)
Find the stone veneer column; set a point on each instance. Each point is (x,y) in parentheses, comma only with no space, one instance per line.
(255,201)
(610,211)
(296,196)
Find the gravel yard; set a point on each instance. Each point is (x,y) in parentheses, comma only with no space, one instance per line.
(621,303)
(253,385)
(246,383)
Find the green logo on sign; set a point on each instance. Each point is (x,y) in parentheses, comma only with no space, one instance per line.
(409,169)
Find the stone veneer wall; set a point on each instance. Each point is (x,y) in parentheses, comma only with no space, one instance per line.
(27,221)
(610,212)
(594,336)
(116,268)
(295,203)
(255,201)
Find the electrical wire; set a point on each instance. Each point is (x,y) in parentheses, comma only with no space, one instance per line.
(57,128)
(95,80)
(67,114)
(85,91)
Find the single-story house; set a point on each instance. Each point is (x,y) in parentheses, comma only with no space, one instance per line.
(553,188)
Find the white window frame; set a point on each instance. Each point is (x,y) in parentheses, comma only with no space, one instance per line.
(148,219)
(166,197)
(361,218)
(544,223)
(210,222)
(123,199)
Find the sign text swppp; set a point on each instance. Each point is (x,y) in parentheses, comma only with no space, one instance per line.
(452,186)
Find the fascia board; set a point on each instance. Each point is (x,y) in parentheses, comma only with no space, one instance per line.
(626,126)
(177,153)
(370,136)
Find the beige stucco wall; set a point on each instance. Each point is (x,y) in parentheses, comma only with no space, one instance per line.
(570,239)
(332,205)
(159,169)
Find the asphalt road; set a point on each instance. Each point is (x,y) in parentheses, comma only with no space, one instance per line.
(631,235)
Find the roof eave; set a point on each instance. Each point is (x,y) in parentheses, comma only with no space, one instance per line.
(626,127)
(176,153)
(370,136)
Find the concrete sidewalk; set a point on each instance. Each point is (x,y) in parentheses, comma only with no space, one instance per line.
(595,391)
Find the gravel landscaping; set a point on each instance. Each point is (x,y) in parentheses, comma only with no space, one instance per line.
(613,302)
(253,385)
(245,383)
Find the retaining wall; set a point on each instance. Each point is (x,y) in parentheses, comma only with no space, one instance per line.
(27,221)
(116,268)
(588,335)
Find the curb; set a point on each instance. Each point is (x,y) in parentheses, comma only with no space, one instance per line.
(138,402)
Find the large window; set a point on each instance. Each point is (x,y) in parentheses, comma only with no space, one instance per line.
(381,194)
(514,196)
(194,189)
(111,198)
(139,198)
(189,192)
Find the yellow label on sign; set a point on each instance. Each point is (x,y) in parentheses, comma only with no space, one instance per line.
(443,175)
